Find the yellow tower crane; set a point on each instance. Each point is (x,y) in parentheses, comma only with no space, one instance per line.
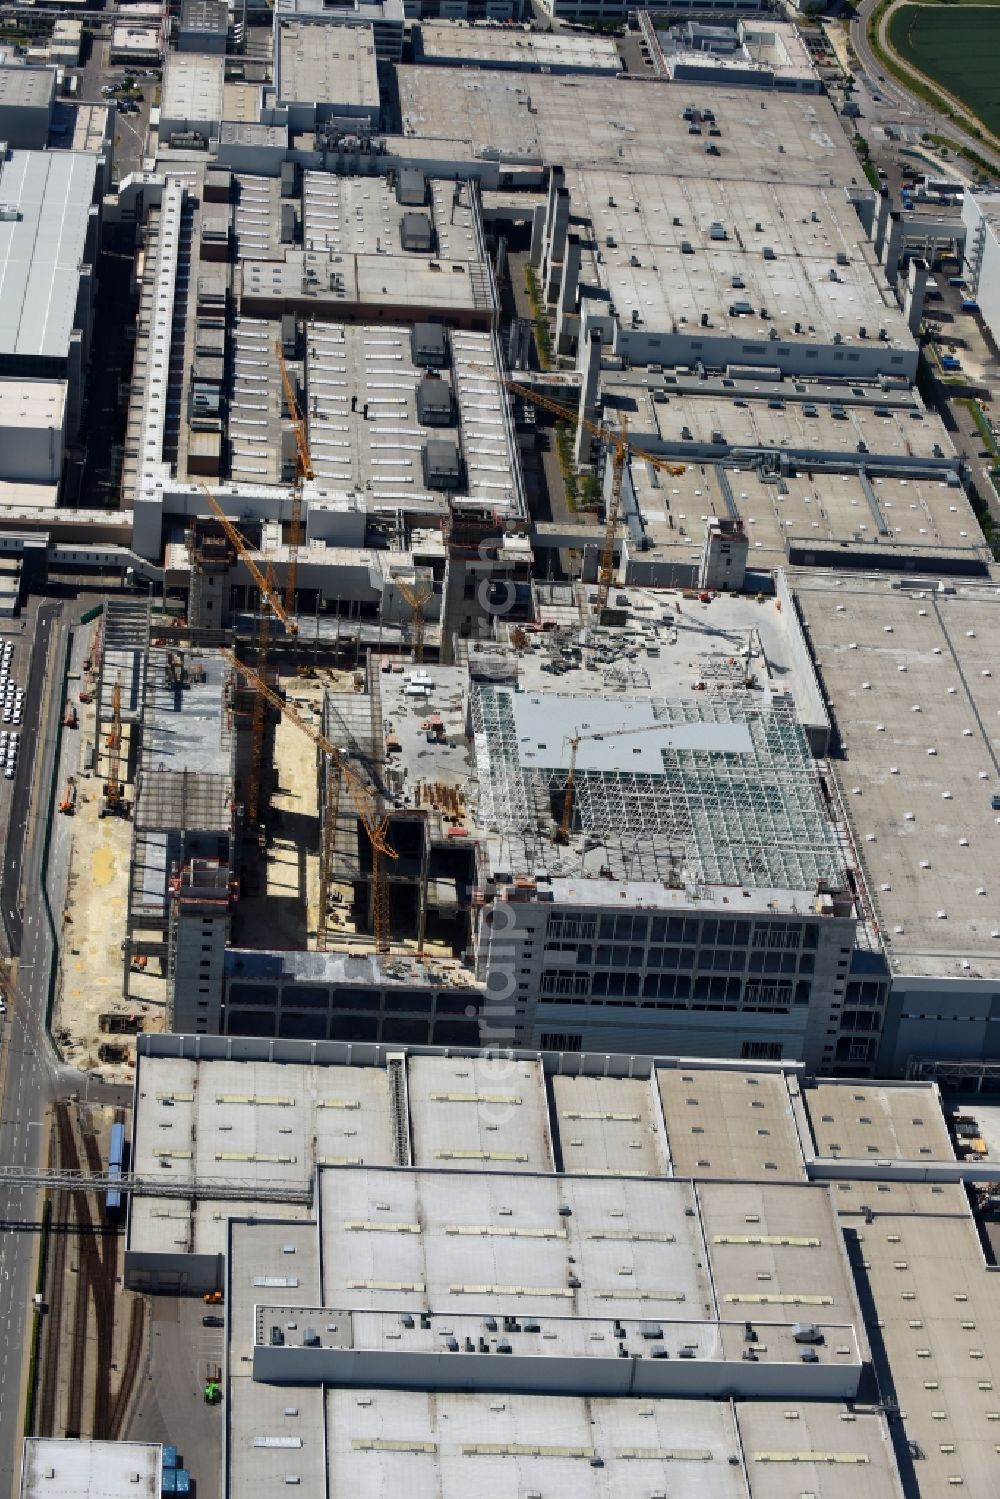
(416,598)
(574,741)
(370,813)
(114,791)
(270,604)
(268,592)
(621,447)
(258,722)
(303,470)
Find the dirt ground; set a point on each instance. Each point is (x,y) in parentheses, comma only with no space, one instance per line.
(93,929)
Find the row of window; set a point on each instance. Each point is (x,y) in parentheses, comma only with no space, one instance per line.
(715,960)
(320,997)
(637,926)
(393,1028)
(762,993)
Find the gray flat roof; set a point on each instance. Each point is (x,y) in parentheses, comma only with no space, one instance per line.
(817,1448)
(364,430)
(775,1251)
(729,1124)
(193,87)
(54,1468)
(594,121)
(452,1256)
(333,65)
(42,249)
(517,48)
(27,87)
(911,677)
(33,404)
(608,1126)
(187,728)
(479,1114)
(679,248)
(242,1119)
(210,16)
(920,1261)
(360,215)
(361,1428)
(857,1120)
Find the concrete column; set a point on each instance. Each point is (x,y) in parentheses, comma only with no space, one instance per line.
(893,249)
(556,249)
(548,218)
(588,394)
(567,292)
(916,292)
(537,236)
(882,221)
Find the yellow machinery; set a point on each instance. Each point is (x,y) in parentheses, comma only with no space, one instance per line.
(373,819)
(114,791)
(416,598)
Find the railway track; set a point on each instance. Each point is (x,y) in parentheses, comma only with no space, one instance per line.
(58,1239)
(70,1157)
(97,1272)
(129,1370)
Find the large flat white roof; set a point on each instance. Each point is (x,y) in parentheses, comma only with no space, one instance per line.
(912,679)
(442,1252)
(53,1468)
(857,1120)
(629,124)
(730,1124)
(42,249)
(520,1444)
(333,65)
(748,256)
(365,434)
(193,84)
(479,1114)
(38,404)
(518,49)
(609,1126)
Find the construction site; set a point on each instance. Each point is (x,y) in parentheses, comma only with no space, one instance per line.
(279,832)
(472,696)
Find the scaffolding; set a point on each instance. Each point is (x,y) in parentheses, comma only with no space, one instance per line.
(752,816)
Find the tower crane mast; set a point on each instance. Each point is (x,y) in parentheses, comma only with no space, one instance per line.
(574,741)
(268,592)
(303,470)
(416,598)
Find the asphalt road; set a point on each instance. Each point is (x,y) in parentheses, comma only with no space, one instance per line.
(10,885)
(913,109)
(170,1406)
(32,1075)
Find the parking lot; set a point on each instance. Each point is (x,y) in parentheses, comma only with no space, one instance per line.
(132,113)
(13,664)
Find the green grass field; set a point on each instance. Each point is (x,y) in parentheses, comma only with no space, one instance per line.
(957,47)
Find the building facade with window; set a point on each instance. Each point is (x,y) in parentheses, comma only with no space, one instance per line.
(594,964)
